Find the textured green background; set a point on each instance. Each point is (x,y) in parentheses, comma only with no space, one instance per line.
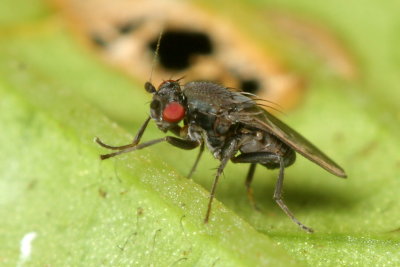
(140,209)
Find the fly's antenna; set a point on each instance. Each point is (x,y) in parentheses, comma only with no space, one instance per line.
(153,64)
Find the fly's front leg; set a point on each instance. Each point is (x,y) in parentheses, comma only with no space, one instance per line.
(227,153)
(279,200)
(181,143)
(135,141)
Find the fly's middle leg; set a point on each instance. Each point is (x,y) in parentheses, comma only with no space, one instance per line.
(193,169)
(254,159)
(227,153)
(247,183)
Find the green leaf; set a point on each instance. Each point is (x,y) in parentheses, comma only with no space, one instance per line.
(135,210)
(139,209)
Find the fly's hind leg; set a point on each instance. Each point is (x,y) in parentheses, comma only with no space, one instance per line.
(272,160)
(279,200)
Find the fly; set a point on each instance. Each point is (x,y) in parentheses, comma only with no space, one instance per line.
(234,128)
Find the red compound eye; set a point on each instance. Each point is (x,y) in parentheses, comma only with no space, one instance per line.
(173,112)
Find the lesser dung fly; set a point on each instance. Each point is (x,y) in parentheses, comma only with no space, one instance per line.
(232,126)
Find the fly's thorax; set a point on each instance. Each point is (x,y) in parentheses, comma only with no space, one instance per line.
(214,143)
(214,129)
(168,106)
(212,98)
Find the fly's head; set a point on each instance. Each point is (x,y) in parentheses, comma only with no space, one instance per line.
(167,107)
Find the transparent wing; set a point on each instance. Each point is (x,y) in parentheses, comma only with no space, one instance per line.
(261,119)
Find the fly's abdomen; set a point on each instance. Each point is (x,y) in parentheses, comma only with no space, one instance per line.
(263,142)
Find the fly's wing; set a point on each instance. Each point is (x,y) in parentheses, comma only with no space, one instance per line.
(261,119)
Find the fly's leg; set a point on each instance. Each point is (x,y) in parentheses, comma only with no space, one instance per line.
(227,153)
(247,183)
(279,200)
(253,158)
(181,143)
(197,160)
(140,133)
(135,141)
(270,160)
